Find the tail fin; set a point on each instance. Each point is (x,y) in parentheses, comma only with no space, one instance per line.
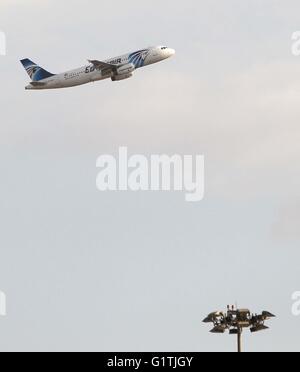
(35,72)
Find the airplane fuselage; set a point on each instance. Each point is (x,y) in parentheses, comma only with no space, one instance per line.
(123,67)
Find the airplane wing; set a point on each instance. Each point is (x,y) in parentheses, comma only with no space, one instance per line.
(37,83)
(105,67)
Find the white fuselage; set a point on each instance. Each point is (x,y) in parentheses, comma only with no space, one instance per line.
(90,73)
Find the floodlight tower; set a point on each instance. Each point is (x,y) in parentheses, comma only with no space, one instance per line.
(236,320)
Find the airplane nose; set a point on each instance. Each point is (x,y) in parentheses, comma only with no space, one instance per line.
(172,52)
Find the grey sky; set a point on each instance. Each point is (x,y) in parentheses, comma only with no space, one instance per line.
(85,270)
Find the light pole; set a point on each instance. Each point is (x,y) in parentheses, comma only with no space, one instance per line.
(236,320)
(240,330)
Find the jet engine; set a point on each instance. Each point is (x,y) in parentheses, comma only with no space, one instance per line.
(121,77)
(126,69)
(123,72)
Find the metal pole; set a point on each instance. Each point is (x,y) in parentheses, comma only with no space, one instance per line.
(239,340)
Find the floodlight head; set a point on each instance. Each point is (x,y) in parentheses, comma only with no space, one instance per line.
(212,317)
(243,311)
(244,324)
(267,315)
(243,314)
(258,328)
(218,329)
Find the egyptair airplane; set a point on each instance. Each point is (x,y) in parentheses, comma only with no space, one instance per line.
(116,69)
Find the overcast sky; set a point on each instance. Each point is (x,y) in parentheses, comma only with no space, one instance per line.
(91,271)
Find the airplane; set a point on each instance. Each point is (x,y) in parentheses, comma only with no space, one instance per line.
(116,69)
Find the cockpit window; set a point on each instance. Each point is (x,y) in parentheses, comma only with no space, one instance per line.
(164,48)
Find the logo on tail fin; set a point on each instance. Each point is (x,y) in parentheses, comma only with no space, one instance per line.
(35,72)
(32,70)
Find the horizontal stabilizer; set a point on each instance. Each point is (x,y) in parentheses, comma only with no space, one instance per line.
(37,84)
